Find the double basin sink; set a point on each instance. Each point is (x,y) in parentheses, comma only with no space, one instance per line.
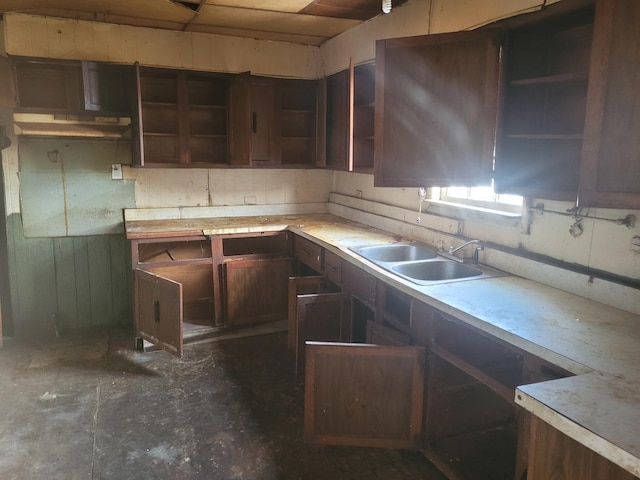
(420,265)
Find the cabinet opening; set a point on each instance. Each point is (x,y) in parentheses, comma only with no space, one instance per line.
(267,245)
(481,355)
(397,310)
(361,315)
(197,289)
(174,251)
(471,430)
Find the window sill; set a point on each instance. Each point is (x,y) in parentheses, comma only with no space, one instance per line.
(459,210)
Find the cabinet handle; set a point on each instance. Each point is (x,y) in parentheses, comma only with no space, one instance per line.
(156,311)
(331,267)
(254,123)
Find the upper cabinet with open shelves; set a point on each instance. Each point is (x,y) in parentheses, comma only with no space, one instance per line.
(347,119)
(545,77)
(182,118)
(72,99)
(559,127)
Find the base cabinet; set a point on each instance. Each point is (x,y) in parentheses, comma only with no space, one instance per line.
(256,290)
(554,455)
(193,287)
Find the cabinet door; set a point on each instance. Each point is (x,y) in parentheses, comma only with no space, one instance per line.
(256,290)
(337,121)
(300,286)
(158,311)
(364,395)
(321,317)
(610,173)
(263,122)
(436,105)
(240,119)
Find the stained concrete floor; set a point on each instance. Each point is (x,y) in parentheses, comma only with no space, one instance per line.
(90,407)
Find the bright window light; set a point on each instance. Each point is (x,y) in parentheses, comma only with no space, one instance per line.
(482,197)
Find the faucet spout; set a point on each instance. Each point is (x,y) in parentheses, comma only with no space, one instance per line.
(476,250)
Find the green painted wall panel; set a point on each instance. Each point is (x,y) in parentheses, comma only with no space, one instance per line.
(66,187)
(83,285)
(67,282)
(67,312)
(100,280)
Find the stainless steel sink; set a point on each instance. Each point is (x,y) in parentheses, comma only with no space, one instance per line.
(420,265)
(395,252)
(439,270)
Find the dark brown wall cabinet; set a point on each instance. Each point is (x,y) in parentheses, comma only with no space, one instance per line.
(567,102)
(347,119)
(273,121)
(73,87)
(182,118)
(544,100)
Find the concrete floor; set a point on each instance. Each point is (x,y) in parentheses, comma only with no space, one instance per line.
(90,407)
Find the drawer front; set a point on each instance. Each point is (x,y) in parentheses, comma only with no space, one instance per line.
(359,284)
(308,253)
(332,267)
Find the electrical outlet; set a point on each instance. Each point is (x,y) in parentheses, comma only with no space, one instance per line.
(116,171)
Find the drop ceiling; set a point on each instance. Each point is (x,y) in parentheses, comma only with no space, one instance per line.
(297,21)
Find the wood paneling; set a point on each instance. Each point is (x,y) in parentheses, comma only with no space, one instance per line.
(67,283)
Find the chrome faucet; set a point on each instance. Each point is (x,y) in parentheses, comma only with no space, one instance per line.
(477,249)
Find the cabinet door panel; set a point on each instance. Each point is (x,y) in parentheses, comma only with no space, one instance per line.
(300,286)
(364,395)
(263,128)
(159,311)
(610,174)
(321,317)
(436,105)
(256,290)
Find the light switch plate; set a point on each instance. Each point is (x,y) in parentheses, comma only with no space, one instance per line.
(116,171)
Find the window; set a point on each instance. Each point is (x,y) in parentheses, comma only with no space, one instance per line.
(479,197)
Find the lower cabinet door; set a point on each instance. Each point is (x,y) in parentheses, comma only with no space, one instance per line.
(364,395)
(301,286)
(256,290)
(321,317)
(159,311)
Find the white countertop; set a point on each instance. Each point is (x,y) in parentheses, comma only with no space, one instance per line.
(600,410)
